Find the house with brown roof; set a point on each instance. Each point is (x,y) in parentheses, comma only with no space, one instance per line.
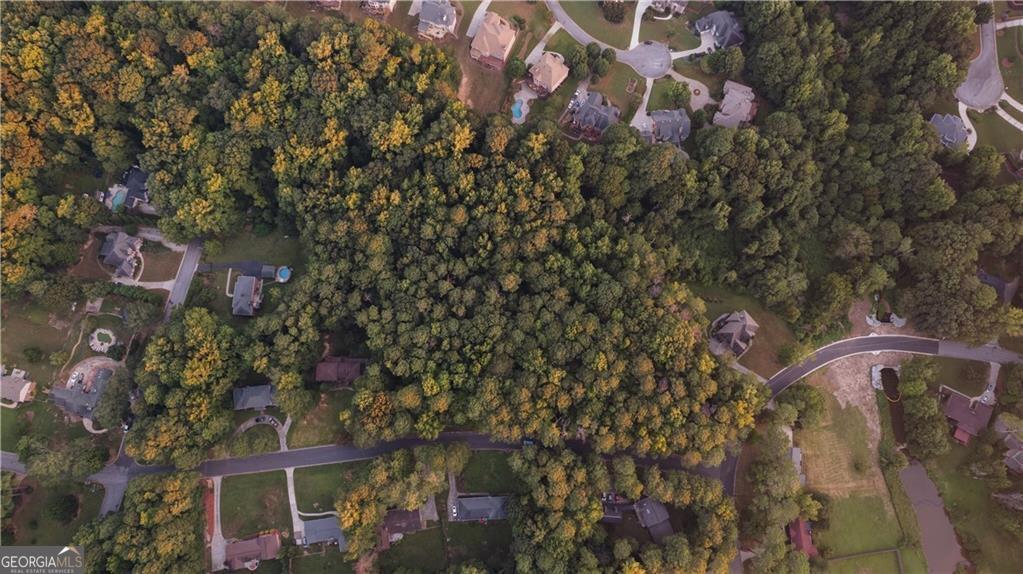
(340,371)
(398,523)
(969,416)
(250,552)
(15,388)
(801,537)
(122,252)
(493,41)
(737,107)
(733,332)
(547,74)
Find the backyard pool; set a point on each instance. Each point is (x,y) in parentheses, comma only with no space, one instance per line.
(516,109)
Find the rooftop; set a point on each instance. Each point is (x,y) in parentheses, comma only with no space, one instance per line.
(342,370)
(324,530)
(736,107)
(247,296)
(725,27)
(262,547)
(480,508)
(256,397)
(969,415)
(672,126)
(951,129)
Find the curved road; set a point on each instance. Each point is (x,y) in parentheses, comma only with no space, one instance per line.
(984,85)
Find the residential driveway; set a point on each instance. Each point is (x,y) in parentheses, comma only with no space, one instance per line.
(537,51)
(700,92)
(183,280)
(706,45)
(642,121)
(971,132)
(218,546)
(983,86)
(641,7)
(477,19)
(1009,23)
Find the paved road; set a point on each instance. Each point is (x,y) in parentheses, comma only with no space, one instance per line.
(9,463)
(983,86)
(186,271)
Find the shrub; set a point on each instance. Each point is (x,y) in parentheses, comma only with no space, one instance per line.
(614,12)
(519,21)
(62,507)
(33,354)
(983,13)
(516,68)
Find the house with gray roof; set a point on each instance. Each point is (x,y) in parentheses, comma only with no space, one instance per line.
(952,131)
(255,397)
(247,296)
(653,516)
(437,19)
(737,107)
(725,27)
(734,332)
(131,193)
(122,252)
(326,530)
(591,116)
(476,508)
(15,388)
(80,396)
(1004,288)
(671,126)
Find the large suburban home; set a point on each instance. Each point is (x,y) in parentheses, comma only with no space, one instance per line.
(969,416)
(131,194)
(1004,288)
(248,553)
(724,26)
(801,537)
(326,530)
(15,388)
(591,116)
(340,371)
(247,296)
(378,7)
(398,523)
(80,395)
(493,42)
(952,131)
(547,74)
(737,107)
(254,397)
(670,126)
(437,19)
(121,251)
(653,516)
(478,508)
(733,332)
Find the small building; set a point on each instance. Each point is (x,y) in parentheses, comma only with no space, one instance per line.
(437,19)
(323,530)
(970,417)
(672,7)
(247,296)
(479,508)
(724,26)
(493,42)
(671,126)
(80,396)
(398,523)
(952,132)
(132,193)
(735,331)
(591,116)
(653,516)
(250,552)
(340,370)
(15,388)
(737,107)
(1012,438)
(1005,289)
(378,7)
(254,397)
(122,252)
(547,74)
(801,537)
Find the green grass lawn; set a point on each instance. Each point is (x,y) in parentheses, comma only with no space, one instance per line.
(659,98)
(774,333)
(422,551)
(468,9)
(969,506)
(252,503)
(256,440)
(322,424)
(274,249)
(538,19)
(994,131)
(1010,57)
(486,543)
(44,420)
(877,563)
(488,472)
(33,525)
(316,486)
(956,373)
(716,84)
(1012,343)
(331,562)
(614,86)
(590,18)
(27,325)
(674,32)
(554,105)
(859,524)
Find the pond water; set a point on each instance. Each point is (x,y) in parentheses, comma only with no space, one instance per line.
(937,536)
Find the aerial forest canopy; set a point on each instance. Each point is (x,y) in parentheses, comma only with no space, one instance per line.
(507,279)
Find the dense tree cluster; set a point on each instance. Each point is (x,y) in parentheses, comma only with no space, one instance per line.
(159,529)
(556,524)
(185,378)
(404,479)
(927,431)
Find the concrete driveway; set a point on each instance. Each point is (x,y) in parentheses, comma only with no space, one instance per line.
(183,280)
(984,85)
(477,19)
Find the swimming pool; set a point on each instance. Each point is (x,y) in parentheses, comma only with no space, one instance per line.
(517,109)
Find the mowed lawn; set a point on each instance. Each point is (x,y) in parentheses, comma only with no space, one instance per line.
(873,564)
(26,325)
(588,15)
(994,131)
(35,527)
(615,86)
(774,333)
(956,373)
(716,84)
(659,96)
(674,32)
(316,486)
(276,248)
(488,472)
(1010,57)
(330,562)
(859,524)
(421,551)
(968,504)
(322,424)
(252,503)
(486,543)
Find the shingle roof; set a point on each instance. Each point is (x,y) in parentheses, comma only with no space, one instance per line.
(13,389)
(723,24)
(593,114)
(245,299)
(439,13)
(262,547)
(671,126)
(339,370)
(120,251)
(969,415)
(951,129)
(549,71)
(494,38)
(651,512)
(736,107)
(480,508)
(324,530)
(256,397)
